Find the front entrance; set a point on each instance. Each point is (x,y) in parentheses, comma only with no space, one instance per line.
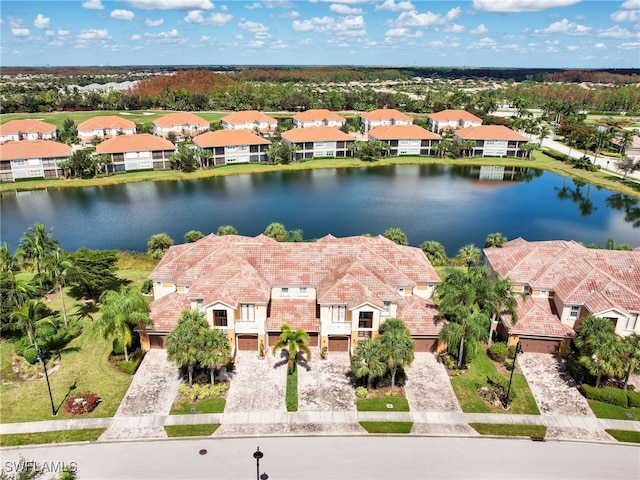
(248,342)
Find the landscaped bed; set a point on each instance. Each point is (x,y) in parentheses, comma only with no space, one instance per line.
(200,399)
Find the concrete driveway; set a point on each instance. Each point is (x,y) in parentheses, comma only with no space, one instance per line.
(326,385)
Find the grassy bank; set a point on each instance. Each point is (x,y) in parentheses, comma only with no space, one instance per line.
(540,161)
(508,430)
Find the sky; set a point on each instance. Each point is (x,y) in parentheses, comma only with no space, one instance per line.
(477,33)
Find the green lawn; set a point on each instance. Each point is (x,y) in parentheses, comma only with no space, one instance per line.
(14,440)
(508,430)
(466,388)
(387,427)
(606,410)
(625,435)
(381,404)
(201,430)
(211,405)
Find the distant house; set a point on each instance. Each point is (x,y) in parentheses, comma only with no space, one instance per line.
(233,146)
(339,290)
(140,151)
(406,139)
(319,142)
(104,127)
(563,282)
(633,150)
(32,159)
(15,130)
(180,123)
(252,120)
(318,118)
(493,141)
(384,117)
(452,119)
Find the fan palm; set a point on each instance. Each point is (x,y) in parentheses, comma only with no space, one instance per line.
(215,352)
(397,346)
(185,343)
(368,361)
(293,341)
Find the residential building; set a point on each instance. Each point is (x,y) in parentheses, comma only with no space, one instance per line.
(181,124)
(32,159)
(319,142)
(252,120)
(561,283)
(318,118)
(337,289)
(233,146)
(15,130)
(141,151)
(452,119)
(384,117)
(406,139)
(493,141)
(105,127)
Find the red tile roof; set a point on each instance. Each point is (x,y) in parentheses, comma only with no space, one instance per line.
(489,132)
(248,116)
(297,313)
(420,316)
(223,138)
(25,149)
(316,134)
(402,132)
(106,121)
(141,142)
(26,126)
(538,317)
(386,114)
(318,114)
(179,119)
(447,115)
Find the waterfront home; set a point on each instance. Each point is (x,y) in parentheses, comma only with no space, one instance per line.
(318,118)
(318,142)
(492,141)
(452,119)
(104,127)
(140,151)
(406,139)
(384,117)
(233,146)
(32,159)
(251,120)
(15,130)
(181,124)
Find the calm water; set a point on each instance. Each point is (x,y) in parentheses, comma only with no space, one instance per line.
(448,204)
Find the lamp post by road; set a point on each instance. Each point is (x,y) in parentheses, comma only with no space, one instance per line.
(258,455)
(505,400)
(41,359)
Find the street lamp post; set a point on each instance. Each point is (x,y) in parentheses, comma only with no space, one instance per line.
(258,455)
(505,401)
(41,359)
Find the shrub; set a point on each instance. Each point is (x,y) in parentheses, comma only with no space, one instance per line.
(509,365)
(511,352)
(633,399)
(81,403)
(30,354)
(450,363)
(116,347)
(577,371)
(147,287)
(202,392)
(498,351)
(20,345)
(361,392)
(611,395)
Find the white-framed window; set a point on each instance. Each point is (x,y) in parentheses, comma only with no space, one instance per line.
(247,312)
(544,293)
(285,291)
(575,310)
(18,163)
(631,322)
(387,309)
(303,291)
(199,306)
(338,313)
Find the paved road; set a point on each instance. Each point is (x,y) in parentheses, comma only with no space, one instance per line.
(379,457)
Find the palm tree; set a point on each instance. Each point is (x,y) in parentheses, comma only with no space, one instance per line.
(35,245)
(60,271)
(8,262)
(572,141)
(293,341)
(186,342)
(158,245)
(215,352)
(368,361)
(632,358)
(495,240)
(122,311)
(626,139)
(464,337)
(601,350)
(468,146)
(470,255)
(499,298)
(396,235)
(397,346)
(543,133)
(435,252)
(28,316)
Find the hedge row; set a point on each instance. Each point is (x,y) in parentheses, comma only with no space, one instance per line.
(612,395)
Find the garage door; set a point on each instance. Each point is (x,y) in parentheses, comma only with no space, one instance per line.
(313,339)
(536,345)
(338,344)
(273,338)
(426,344)
(157,341)
(248,343)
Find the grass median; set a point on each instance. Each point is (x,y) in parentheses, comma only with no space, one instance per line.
(509,430)
(40,438)
(387,427)
(199,430)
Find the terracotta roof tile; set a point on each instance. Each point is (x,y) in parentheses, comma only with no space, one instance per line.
(248,116)
(420,316)
(140,142)
(223,138)
(106,121)
(537,316)
(318,114)
(295,312)
(402,132)
(446,115)
(386,114)
(26,126)
(489,132)
(179,119)
(166,311)
(316,134)
(25,149)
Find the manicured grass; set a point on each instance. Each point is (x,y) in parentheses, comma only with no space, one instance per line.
(508,430)
(62,436)
(624,435)
(291,395)
(387,427)
(211,405)
(606,410)
(202,430)
(466,388)
(380,404)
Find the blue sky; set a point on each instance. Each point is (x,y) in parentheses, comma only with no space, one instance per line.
(485,33)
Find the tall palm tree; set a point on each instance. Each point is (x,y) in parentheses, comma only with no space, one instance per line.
(397,346)
(186,342)
(543,133)
(464,337)
(293,341)
(368,360)
(8,262)
(470,255)
(122,311)
(435,252)
(28,316)
(59,272)
(495,240)
(632,357)
(601,350)
(35,245)
(498,299)
(572,141)
(215,352)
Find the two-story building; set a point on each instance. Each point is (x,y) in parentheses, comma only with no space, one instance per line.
(318,118)
(406,139)
(105,127)
(337,289)
(452,119)
(319,142)
(493,141)
(562,282)
(233,146)
(251,120)
(141,151)
(15,130)
(32,159)
(384,117)
(181,124)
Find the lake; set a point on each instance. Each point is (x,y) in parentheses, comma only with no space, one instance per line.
(452,205)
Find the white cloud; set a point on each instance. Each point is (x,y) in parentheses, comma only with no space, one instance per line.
(41,21)
(631,5)
(280,3)
(49,33)
(253,6)
(629,46)
(258,29)
(454,28)
(20,31)
(392,6)
(136,37)
(256,44)
(170,4)
(93,5)
(216,19)
(415,19)
(341,9)
(93,34)
(572,48)
(626,16)
(485,42)
(615,32)
(63,32)
(122,14)
(402,32)
(170,34)
(599,46)
(564,26)
(479,30)
(153,23)
(514,6)
(352,26)
(292,15)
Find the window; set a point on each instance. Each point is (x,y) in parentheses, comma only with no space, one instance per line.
(575,309)
(338,313)
(285,291)
(247,312)
(303,291)
(387,308)
(631,322)
(199,305)
(220,318)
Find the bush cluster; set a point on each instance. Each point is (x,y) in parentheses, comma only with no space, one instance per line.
(498,351)
(612,395)
(202,392)
(81,403)
(361,392)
